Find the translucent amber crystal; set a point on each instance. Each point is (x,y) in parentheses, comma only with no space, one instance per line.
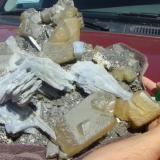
(83,125)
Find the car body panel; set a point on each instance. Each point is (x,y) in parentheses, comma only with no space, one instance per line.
(6,31)
(8,26)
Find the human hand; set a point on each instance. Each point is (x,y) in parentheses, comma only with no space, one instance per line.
(139,147)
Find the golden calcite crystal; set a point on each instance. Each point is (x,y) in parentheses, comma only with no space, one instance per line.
(121,109)
(58,12)
(60,44)
(140,110)
(67,30)
(68,26)
(85,124)
(58,52)
(124,74)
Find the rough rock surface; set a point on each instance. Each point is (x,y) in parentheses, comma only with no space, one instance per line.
(85,124)
(125,64)
(140,110)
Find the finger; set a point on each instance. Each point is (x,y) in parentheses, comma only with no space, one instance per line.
(149,84)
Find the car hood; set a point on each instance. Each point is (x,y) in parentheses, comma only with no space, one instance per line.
(8,26)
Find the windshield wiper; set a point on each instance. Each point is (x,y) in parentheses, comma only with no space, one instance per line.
(144,15)
(17,12)
(95,24)
(104,15)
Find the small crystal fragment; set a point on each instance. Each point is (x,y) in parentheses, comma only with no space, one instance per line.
(18,119)
(52,150)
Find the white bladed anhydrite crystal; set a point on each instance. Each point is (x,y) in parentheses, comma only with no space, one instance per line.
(49,72)
(44,68)
(9,55)
(17,119)
(5,55)
(18,86)
(25,73)
(21,85)
(93,77)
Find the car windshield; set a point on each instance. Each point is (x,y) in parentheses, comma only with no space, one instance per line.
(20,5)
(120,6)
(103,6)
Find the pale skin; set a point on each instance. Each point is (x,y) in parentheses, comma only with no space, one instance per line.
(145,146)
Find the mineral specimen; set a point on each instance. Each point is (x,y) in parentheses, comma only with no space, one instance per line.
(43,68)
(29,28)
(17,119)
(99,58)
(33,86)
(59,53)
(120,56)
(5,55)
(104,102)
(85,123)
(52,150)
(66,31)
(61,10)
(49,72)
(124,74)
(93,77)
(140,110)
(31,14)
(59,47)
(18,87)
(63,52)
(9,55)
(31,25)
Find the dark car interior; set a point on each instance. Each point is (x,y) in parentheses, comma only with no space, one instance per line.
(90,4)
(130,17)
